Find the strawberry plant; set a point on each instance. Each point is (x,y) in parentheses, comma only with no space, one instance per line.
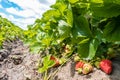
(81,27)
(88,28)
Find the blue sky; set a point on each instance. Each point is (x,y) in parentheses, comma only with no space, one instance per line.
(24,12)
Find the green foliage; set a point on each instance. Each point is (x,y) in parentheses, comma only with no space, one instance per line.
(73,1)
(47,63)
(105,8)
(88,49)
(82,27)
(8,30)
(111,31)
(84,24)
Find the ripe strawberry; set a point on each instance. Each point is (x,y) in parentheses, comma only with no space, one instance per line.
(79,64)
(106,66)
(57,63)
(87,68)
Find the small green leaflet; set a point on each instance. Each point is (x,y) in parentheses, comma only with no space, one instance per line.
(47,63)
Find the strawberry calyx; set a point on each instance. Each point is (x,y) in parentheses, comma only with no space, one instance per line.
(79,70)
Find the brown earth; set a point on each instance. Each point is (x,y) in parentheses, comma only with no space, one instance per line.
(17,63)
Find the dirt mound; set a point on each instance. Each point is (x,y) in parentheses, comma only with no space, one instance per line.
(17,63)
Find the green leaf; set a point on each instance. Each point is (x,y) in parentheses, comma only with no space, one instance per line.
(41,70)
(64,30)
(84,41)
(40,36)
(93,48)
(51,15)
(81,27)
(46,41)
(35,48)
(88,48)
(73,1)
(112,1)
(69,17)
(96,1)
(61,6)
(80,30)
(105,10)
(112,31)
(83,50)
(47,63)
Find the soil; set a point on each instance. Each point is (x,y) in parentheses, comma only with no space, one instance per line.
(17,63)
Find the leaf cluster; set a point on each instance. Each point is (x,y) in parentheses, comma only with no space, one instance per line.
(82,24)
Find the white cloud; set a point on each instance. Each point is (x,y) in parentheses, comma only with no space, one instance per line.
(24,13)
(0,6)
(30,6)
(3,15)
(22,22)
(31,9)
(51,1)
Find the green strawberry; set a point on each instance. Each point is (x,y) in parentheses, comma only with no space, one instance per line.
(76,58)
(97,64)
(79,70)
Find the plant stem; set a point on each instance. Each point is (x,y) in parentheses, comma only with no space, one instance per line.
(45,76)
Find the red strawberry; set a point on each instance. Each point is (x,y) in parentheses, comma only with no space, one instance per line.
(57,63)
(87,68)
(106,66)
(79,64)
